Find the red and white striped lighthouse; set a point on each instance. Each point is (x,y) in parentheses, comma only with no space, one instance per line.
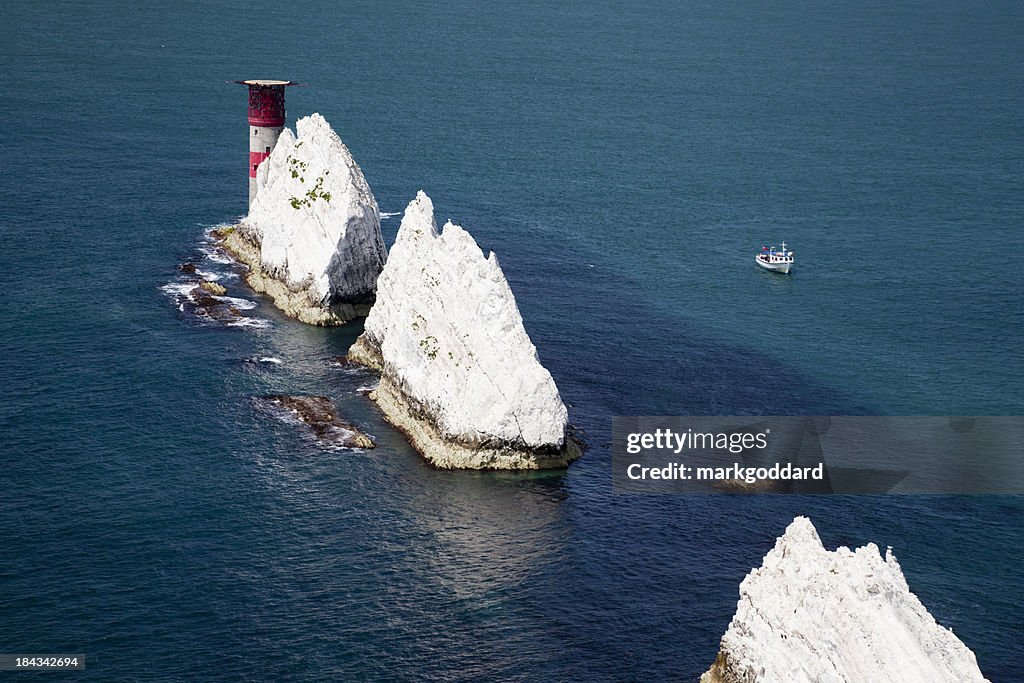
(266,121)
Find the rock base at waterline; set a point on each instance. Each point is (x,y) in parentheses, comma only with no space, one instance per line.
(295,303)
(447,454)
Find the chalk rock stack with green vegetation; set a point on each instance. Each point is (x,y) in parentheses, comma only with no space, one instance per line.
(459,375)
(312,238)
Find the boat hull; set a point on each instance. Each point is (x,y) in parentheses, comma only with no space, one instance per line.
(774,267)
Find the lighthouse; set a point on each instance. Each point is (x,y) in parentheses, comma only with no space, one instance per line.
(266,121)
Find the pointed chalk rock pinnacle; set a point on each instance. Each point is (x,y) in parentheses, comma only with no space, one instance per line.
(459,374)
(808,614)
(312,238)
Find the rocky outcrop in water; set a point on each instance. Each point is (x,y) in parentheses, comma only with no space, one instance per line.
(459,375)
(312,238)
(213,288)
(809,615)
(202,302)
(318,413)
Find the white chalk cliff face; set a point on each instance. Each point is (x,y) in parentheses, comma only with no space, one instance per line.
(312,238)
(808,614)
(459,374)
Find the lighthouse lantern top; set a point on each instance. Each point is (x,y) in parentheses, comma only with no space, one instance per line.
(266,101)
(264,82)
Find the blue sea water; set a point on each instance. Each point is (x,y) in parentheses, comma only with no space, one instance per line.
(624,160)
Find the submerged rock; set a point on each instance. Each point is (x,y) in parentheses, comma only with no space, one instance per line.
(459,374)
(808,615)
(318,413)
(312,238)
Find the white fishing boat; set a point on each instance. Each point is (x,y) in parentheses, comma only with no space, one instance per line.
(778,260)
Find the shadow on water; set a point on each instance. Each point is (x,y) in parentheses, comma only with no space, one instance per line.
(528,558)
(641,567)
(576,314)
(778,282)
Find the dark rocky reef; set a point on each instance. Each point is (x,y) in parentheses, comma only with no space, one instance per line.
(318,413)
(205,304)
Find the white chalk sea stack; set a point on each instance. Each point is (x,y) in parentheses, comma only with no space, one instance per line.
(813,615)
(312,238)
(459,375)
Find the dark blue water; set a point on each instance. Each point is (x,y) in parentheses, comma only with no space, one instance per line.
(624,160)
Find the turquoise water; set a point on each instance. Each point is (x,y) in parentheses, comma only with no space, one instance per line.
(625,161)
